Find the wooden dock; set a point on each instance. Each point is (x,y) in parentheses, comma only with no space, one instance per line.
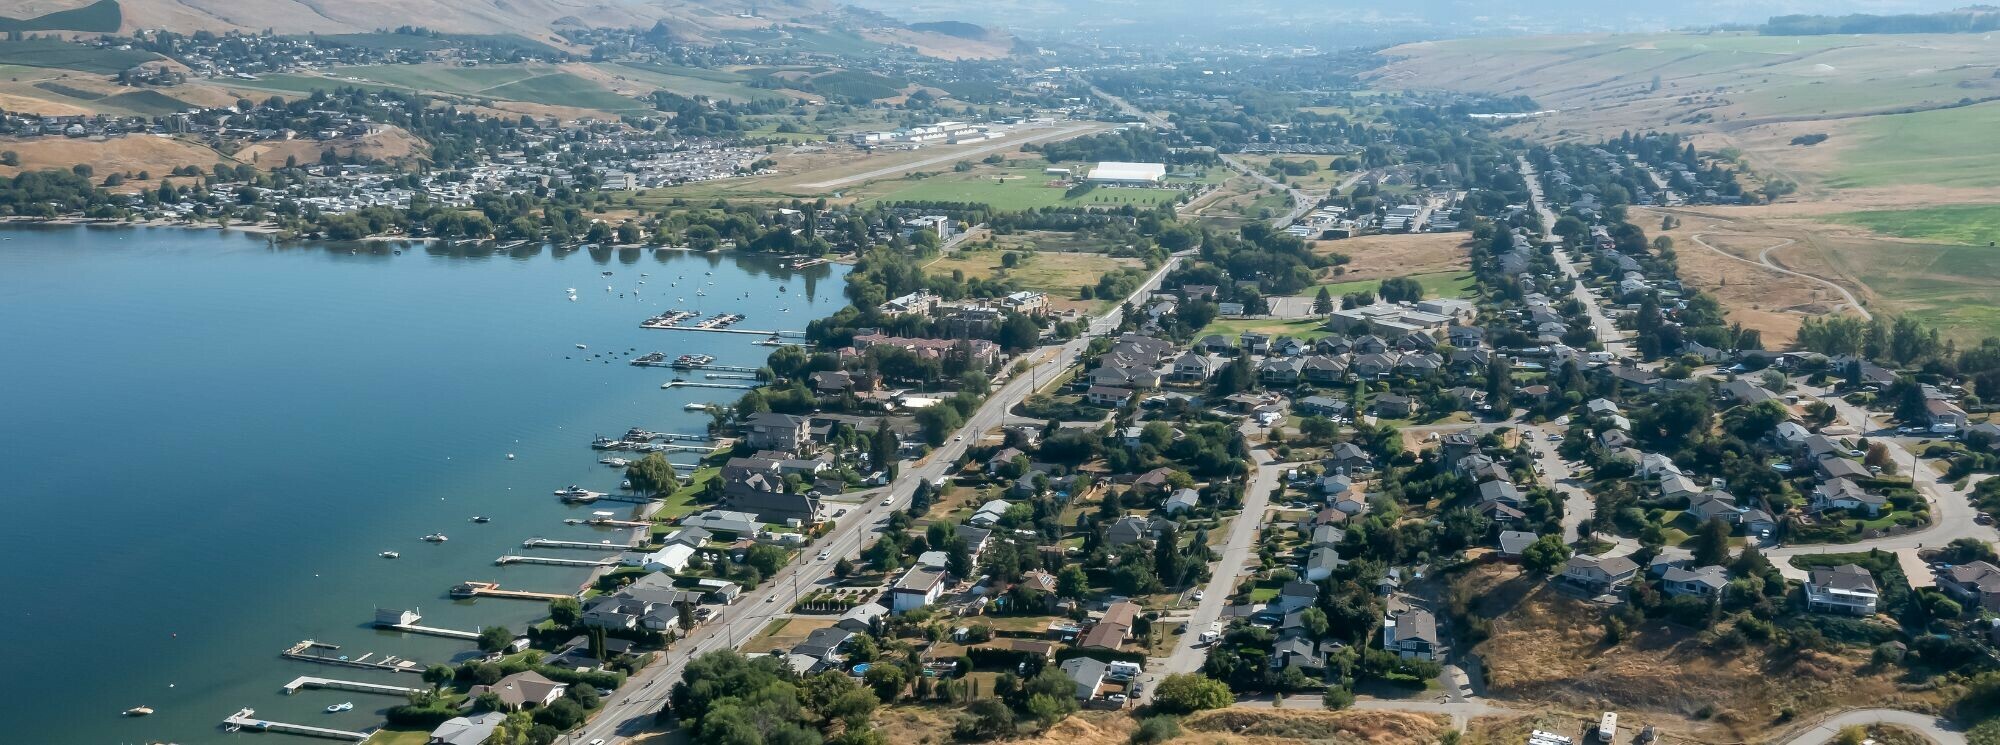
(246,719)
(473,589)
(322,653)
(752,332)
(555,562)
(585,545)
(336,684)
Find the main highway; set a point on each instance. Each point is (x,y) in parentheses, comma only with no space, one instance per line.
(629,711)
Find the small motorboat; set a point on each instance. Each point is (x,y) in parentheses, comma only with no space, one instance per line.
(572,521)
(390,555)
(626,484)
(436,538)
(607,274)
(582,346)
(481,519)
(340,707)
(138,711)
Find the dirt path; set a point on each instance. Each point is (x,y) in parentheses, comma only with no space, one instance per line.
(1764,261)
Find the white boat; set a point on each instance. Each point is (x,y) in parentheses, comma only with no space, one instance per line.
(436,538)
(571,291)
(340,707)
(582,346)
(482,519)
(138,711)
(615,462)
(390,555)
(696,407)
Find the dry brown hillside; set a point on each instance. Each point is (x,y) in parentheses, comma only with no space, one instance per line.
(534,19)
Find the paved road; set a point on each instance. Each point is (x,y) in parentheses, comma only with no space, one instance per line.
(1764,262)
(630,710)
(1237,553)
(1607,332)
(956,155)
(1935,729)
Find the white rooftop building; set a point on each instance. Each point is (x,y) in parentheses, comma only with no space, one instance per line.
(1128,174)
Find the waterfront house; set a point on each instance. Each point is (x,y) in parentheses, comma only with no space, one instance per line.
(467,730)
(774,431)
(523,690)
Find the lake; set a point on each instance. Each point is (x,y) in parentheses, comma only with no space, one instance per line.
(208,440)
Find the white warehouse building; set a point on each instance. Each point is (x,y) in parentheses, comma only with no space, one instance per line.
(1128,174)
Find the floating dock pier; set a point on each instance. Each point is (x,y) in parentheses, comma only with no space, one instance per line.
(246,719)
(407,621)
(606,545)
(322,653)
(693,384)
(473,589)
(335,684)
(552,561)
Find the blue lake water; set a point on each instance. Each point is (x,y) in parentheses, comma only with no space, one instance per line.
(206,440)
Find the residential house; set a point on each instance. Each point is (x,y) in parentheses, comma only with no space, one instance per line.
(1321,563)
(1193,367)
(1280,370)
(1513,542)
(1348,457)
(1087,673)
(862,619)
(522,690)
(1108,396)
(1844,494)
(1847,589)
(471,729)
(1322,370)
(1504,492)
(1182,500)
(1113,628)
(1714,505)
(1599,573)
(1395,406)
(917,588)
(1127,529)
(1705,581)
(1941,413)
(1410,633)
(738,524)
(774,431)
(1977,583)
(1295,595)
(1320,405)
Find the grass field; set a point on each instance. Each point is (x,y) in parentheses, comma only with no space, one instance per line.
(1953,287)
(1060,275)
(689,81)
(1019,189)
(564,89)
(1438,285)
(527,83)
(1307,329)
(1970,224)
(1949,147)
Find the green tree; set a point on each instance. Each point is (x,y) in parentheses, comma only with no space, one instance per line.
(1186,693)
(438,676)
(1337,698)
(565,612)
(1710,543)
(887,680)
(495,638)
(1546,554)
(653,474)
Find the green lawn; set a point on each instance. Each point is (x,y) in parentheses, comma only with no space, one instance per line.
(681,502)
(1436,285)
(399,737)
(1947,147)
(564,89)
(1306,329)
(1014,190)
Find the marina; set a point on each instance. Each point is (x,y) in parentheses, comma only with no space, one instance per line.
(245,719)
(324,654)
(473,589)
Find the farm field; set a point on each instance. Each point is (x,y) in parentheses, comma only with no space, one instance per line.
(527,83)
(687,81)
(1384,256)
(1970,224)
(1015,189)
(1947,147)
(1955,288)
(59,54)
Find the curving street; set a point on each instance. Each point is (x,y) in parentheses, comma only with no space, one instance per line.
(1934,728)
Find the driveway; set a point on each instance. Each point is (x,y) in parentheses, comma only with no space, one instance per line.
(1935,729)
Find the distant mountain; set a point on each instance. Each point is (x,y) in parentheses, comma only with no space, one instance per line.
(1325,23)
(692,20)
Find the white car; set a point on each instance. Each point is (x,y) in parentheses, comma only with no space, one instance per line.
(770,598)
(888,501)
(1198,596)
(823,555)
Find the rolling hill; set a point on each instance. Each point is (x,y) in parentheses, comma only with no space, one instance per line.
(693,20)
